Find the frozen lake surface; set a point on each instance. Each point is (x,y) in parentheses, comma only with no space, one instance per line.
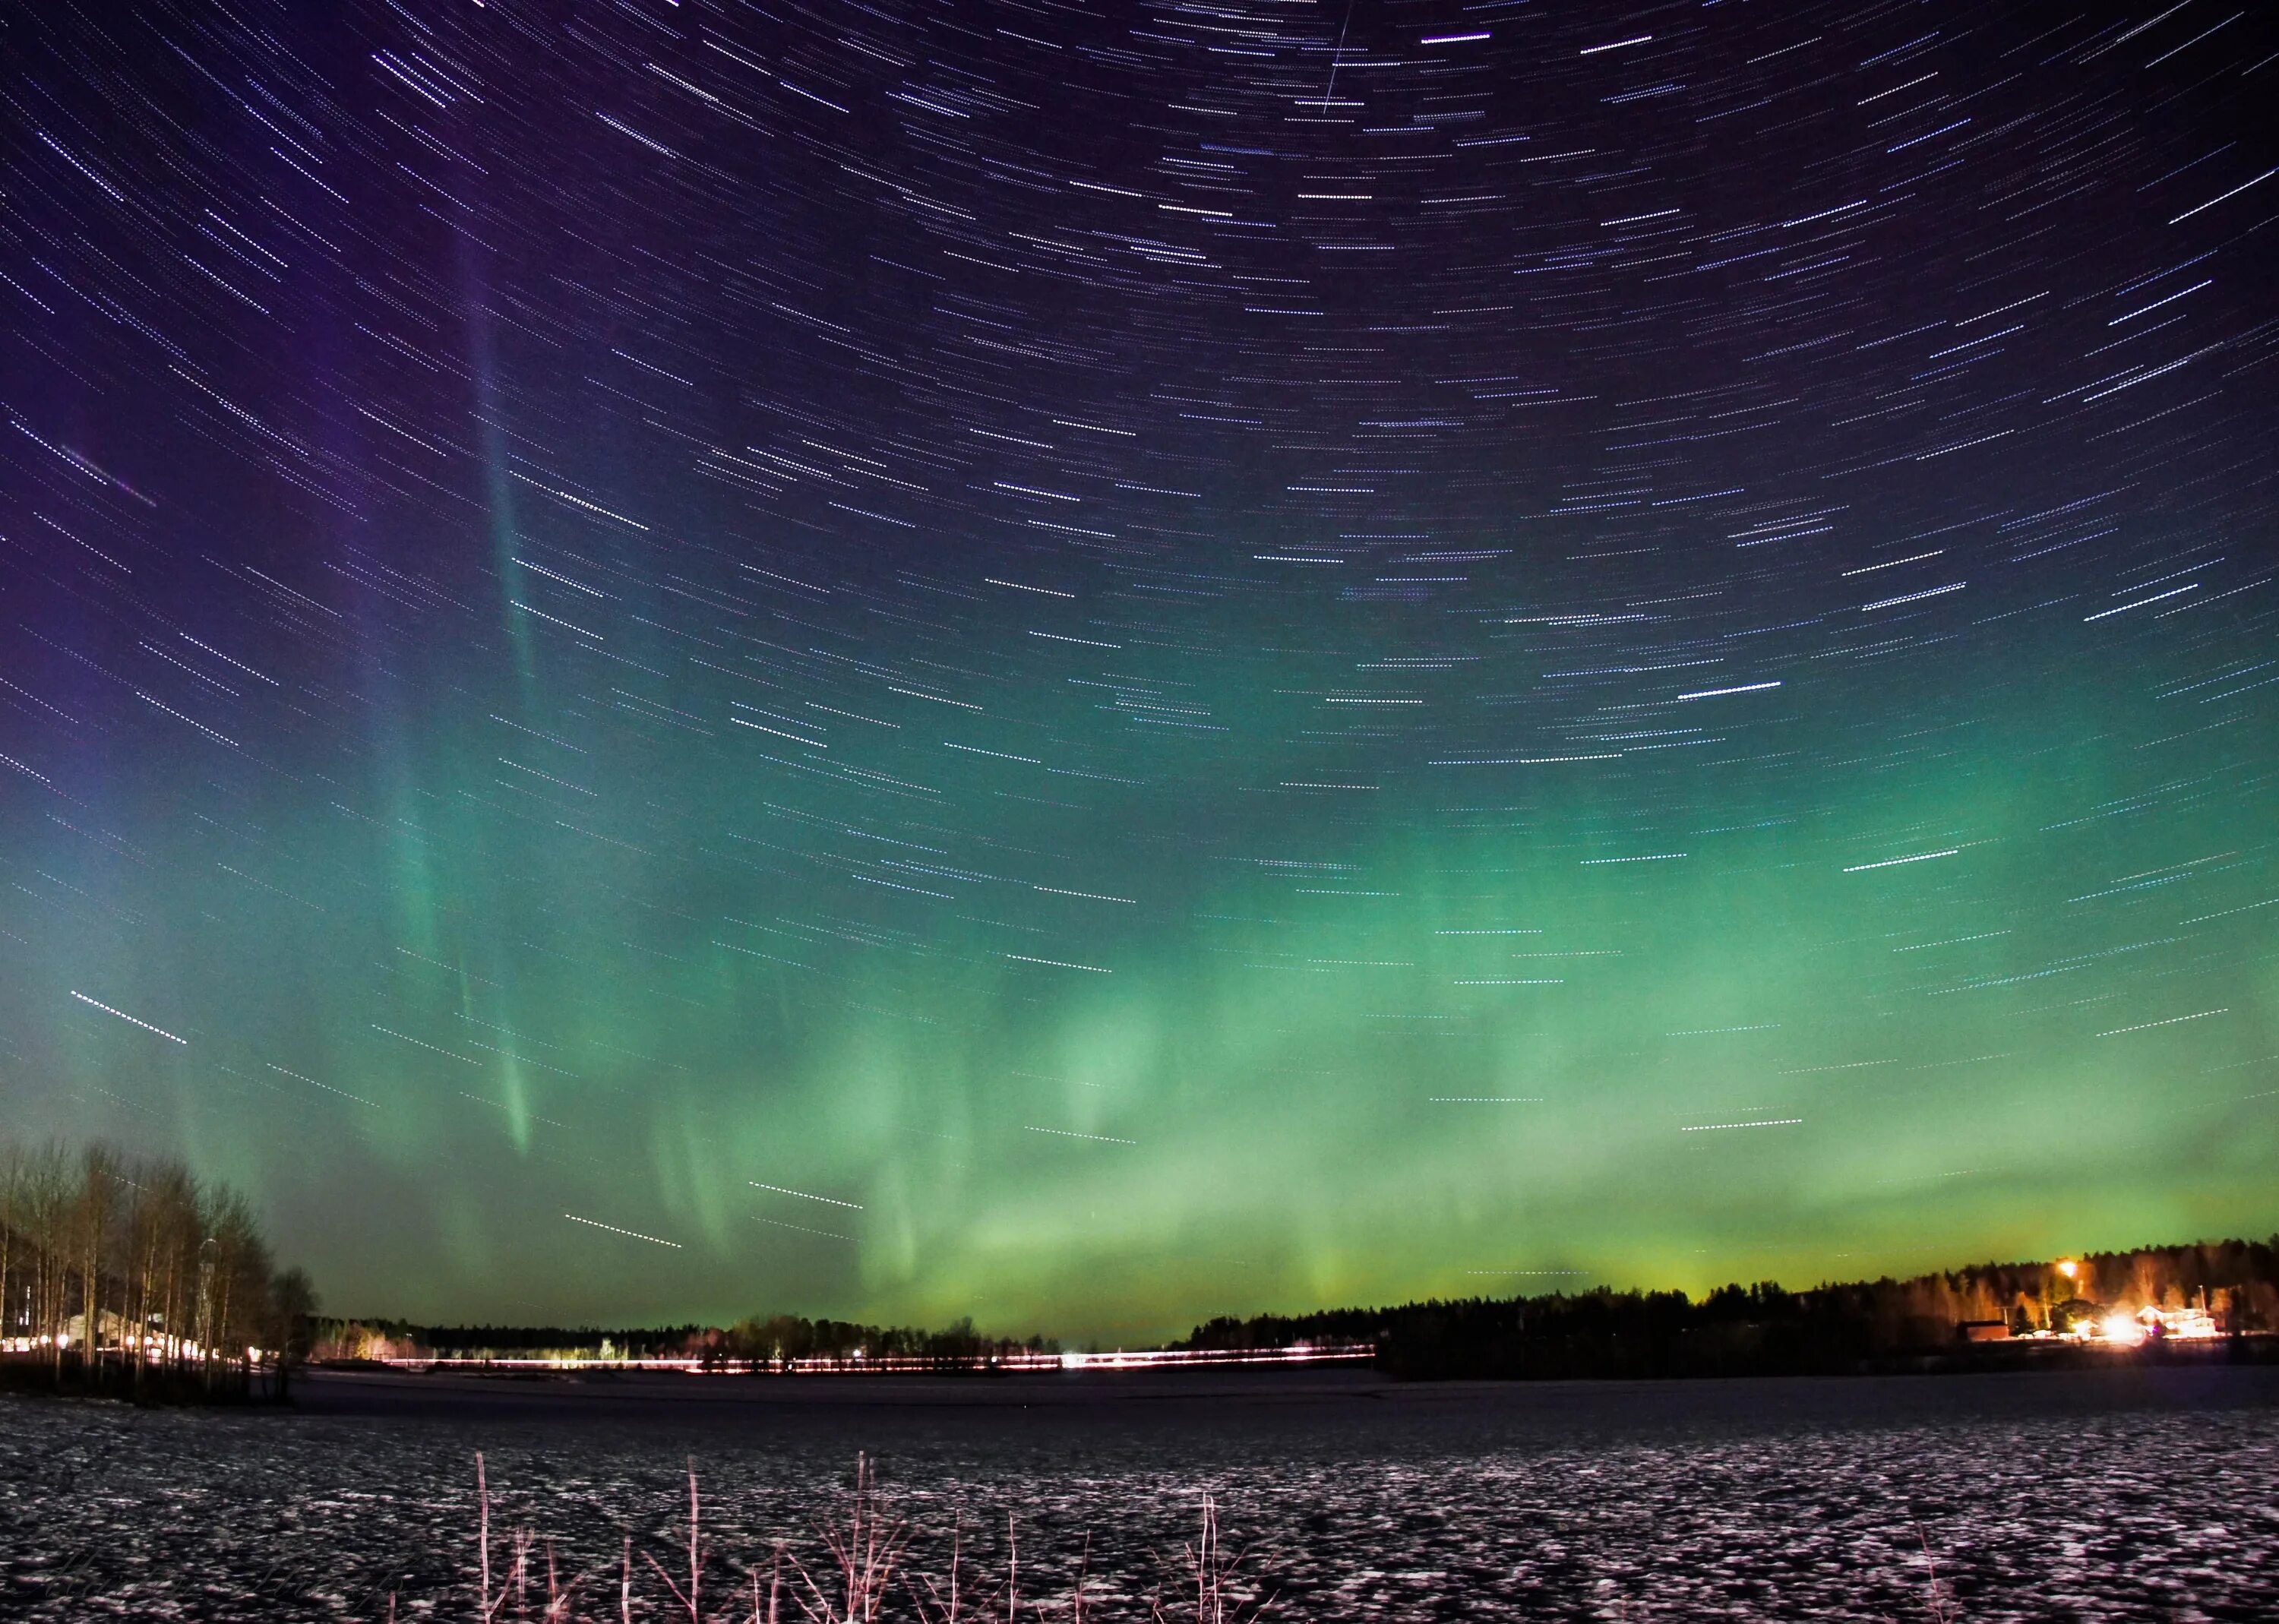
(2125,1494)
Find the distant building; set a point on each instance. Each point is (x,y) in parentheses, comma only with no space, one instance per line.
(1983,1330)
(2183,1324)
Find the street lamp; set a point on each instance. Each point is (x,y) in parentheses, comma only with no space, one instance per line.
(2071,1271)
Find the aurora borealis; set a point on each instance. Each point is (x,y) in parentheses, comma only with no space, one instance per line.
(1093,667)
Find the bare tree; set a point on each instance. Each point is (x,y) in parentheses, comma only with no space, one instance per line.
(238,1282)
(12,1197)
(44,1196)
(135,1252)
(177,1243)
(94,1213)
(161,1226)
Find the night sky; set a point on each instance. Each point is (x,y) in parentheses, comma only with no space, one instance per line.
(1093,665)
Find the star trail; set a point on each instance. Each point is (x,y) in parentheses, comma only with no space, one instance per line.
(1091,665)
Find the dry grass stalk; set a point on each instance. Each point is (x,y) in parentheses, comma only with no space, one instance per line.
(695,1561)
(1213,1571)
(483,1493)
(1943,1609)
(945,1612)
(868,1552)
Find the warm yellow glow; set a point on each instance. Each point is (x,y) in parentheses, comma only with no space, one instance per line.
(2068,1269)
(2121,1327)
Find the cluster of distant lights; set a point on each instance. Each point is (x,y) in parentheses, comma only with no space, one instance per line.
(908,1364)
(164,1347)
(2123,1328)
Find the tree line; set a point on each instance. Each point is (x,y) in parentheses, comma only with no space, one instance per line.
(126,1274)
(353,1340)
(1766,1328)
(780,1341)
(1735,1330)
(759,1343)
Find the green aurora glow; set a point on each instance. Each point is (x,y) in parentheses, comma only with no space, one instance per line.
(651,634)
(1444,1035)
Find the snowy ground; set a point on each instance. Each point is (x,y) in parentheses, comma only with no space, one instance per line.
(2107,1495)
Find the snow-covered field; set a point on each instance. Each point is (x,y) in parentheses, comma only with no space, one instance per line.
(2141,1495)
